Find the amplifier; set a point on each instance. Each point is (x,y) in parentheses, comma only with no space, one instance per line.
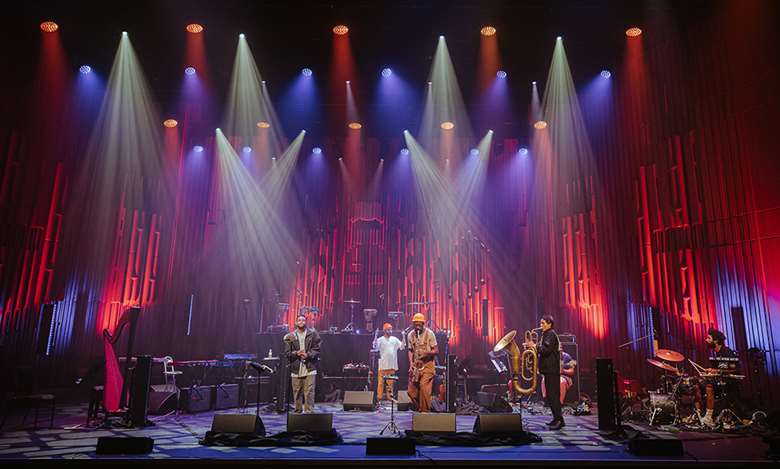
(226,396)
(196,399)
(247,390)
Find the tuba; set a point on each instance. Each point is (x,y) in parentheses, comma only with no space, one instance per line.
(523,365)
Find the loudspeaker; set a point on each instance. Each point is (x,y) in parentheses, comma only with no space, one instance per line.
(606,389)
(139,390)
(196,399)
(226,396)
(433,423)
(403,401)
(502,423)
(247,391)
(238,423)
(451,385)
(309,422)
(45,326)
(485,323)
(656,447)
(163,398)
(493,402)
(124,445)
(390,447)
(359,400)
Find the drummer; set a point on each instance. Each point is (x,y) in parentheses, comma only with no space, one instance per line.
(716,344)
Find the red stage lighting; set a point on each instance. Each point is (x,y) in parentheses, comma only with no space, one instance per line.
(170,123)
(540,125)
(49,26)
(340,29)
(447,125)
(487,31)
(194,28)
(355,125)
(263,125)
(633,32)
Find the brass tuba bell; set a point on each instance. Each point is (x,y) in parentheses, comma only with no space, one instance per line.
(523,365)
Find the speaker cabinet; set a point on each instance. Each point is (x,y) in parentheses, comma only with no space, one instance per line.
(606,389)
(390,447)
(139,390)
(124,445)
(163,398)
(498,424)
(403,401)
(315,423)
(238,423)
(226,396)
(433,423)
(196,399)
(573,394)
(359,400)
(493,402)
(451,382)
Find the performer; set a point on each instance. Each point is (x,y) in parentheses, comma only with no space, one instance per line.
(302,348)
(422,367)
(550,369)
(388,347)
(716,343)
(567,376)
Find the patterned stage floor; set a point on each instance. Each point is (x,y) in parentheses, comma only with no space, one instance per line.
(176,437)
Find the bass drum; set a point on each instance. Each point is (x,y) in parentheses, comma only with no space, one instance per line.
(663,409)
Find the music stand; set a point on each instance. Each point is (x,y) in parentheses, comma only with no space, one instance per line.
(391,424)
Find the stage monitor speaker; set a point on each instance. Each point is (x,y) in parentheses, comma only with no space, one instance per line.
(493,402)
(499,424)
(124,445)
(139,390)
(359,400)
(433,423)
(403,401)
(163,398)
(390,447)
(316,423)
(196,399)
(656,447)
(45,326)
(226,396)
(238,423)
(606,381)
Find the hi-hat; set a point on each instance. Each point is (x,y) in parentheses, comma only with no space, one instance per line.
(669,355)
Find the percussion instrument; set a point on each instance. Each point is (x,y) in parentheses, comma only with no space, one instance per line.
(663,366)
(669,355)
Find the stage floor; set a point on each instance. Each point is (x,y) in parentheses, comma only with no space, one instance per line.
(176,439)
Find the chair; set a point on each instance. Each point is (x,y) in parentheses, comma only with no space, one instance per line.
(31,401)
(95,403)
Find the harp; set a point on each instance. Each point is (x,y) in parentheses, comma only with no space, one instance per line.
(115,386)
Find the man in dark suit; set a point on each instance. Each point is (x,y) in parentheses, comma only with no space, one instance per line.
(302,348)
(548,348)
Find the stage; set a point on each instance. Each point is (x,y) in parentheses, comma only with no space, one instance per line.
(176,441)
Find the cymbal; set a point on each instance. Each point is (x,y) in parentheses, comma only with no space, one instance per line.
(669,355)
(354,302)
(663,366)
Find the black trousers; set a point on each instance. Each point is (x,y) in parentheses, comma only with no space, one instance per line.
(552,387)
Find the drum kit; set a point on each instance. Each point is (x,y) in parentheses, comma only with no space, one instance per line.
(673,401)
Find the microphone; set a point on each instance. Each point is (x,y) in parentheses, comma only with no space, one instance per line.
(259,367)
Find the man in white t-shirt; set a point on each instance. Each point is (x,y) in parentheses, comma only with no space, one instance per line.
(388,347)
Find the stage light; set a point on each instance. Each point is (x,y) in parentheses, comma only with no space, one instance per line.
(347,82)
(85,69)
(539,125)
(124,33)
(263,124)
(633,32)
(501,74)
(474,152)
(170,123)
(340,158)
(247,149)
(558,38)
(241,36)
(523,151)
(605,74)
(405,151)
(273,158)
(487,31)
(340,29)
(316,150)
(49,26)
(306,72)
(533,83)
(355,125)
(194,28)
(441,38)
(197,148)
(447,125)
(386,72)
(189,70)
